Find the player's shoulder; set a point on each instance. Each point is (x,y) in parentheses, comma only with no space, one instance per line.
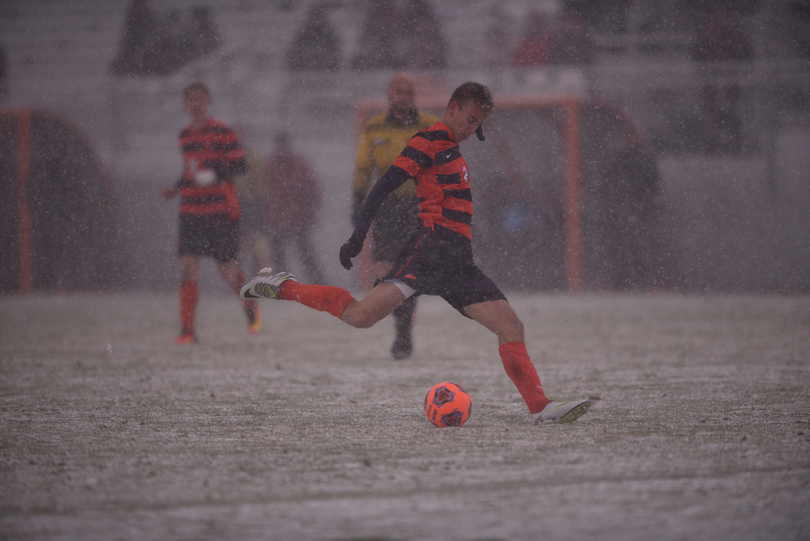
(436,132)
(432,140)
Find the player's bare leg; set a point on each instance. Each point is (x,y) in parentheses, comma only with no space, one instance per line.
(381,301)
(499,317)
(337,301)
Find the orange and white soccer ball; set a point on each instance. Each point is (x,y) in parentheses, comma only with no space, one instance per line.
(447,404)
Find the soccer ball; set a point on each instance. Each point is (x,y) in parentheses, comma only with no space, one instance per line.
(447,404)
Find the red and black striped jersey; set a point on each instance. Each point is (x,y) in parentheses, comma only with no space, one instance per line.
(434,160)
(212,154)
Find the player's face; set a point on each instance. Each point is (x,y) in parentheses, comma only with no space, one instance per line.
(197,104)
(463,121)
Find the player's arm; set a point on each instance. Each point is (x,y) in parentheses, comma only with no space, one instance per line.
(390,181)
(231,160)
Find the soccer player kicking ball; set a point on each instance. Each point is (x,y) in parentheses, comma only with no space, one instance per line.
(438,258)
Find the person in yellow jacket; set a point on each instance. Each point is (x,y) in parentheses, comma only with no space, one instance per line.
(383,138)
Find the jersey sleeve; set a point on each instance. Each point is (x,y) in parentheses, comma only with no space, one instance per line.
(393,178)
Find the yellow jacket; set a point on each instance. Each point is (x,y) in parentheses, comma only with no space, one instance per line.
(381,142)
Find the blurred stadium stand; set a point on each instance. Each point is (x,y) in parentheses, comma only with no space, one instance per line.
(736,217)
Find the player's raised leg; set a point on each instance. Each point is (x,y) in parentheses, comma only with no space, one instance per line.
(381,301)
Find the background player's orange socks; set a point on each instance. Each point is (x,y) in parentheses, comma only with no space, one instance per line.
(324,298)
(523,374)
(189,293)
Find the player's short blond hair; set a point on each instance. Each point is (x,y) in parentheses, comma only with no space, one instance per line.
(474,92)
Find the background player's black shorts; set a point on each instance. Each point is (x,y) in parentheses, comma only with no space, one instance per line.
(209,236)
(395,222)
(440,262)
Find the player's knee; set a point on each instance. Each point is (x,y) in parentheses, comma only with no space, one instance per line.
(511,328)
(358,319)
(518,326)
(513,331)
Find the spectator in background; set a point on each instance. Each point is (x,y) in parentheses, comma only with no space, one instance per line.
(253,191)
(498,38)
(203,33)
(630,195)
(171,47)
(140,30)
(722,39)
(573,44)
(798,29)
(534,48)
(157,47)
(316,46)
(293,208)
(423,43)
(377,43)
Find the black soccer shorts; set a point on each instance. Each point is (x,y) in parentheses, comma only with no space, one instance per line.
(209,236)
(440,262)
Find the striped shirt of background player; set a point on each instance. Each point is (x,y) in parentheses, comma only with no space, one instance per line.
(214,146)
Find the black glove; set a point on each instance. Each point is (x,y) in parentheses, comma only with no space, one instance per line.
(351,248)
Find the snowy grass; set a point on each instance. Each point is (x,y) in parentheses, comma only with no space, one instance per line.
(310,431)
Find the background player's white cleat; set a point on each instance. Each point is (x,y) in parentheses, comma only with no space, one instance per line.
(562,412)
(264,285)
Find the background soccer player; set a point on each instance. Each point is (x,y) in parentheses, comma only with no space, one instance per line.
(209,208)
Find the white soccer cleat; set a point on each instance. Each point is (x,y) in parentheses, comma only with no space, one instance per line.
(264,285)
(561,412)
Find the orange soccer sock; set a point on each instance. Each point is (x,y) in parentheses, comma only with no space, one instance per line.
(324,298)
(521,371)
(189,293)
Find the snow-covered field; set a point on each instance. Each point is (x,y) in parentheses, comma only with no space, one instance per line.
(310,431)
